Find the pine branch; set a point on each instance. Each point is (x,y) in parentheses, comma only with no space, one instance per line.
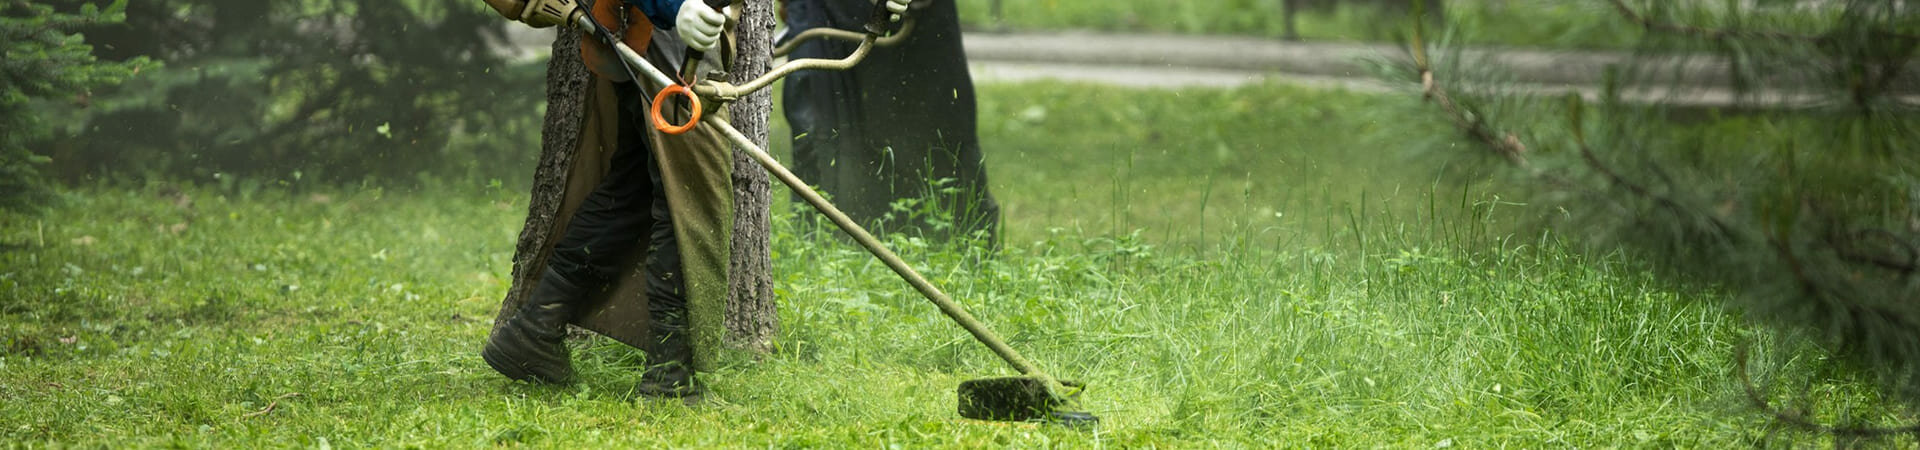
(1853,247)
(1506,145)
(1821,272)
(1799,419)
(1509,146)
(1710,33)
(1721,33)
(1671,205)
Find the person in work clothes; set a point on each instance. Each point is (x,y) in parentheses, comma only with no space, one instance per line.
(627,210)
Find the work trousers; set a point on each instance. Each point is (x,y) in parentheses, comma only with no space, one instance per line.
(628,208)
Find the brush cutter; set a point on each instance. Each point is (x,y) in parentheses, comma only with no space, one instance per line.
(1033,396)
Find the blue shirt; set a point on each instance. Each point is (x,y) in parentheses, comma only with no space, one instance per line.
(660,12)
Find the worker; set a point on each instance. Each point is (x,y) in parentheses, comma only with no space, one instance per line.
(627,210)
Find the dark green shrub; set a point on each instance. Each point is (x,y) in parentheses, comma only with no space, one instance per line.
(48,66)
(341,90)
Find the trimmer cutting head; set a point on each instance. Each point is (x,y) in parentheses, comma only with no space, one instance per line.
(1022,399)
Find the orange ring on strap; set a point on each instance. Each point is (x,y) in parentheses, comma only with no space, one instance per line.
(660,123)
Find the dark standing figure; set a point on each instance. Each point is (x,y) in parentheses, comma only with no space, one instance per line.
(899,126)
(629,208)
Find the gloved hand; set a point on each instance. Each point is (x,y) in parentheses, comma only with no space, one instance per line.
(898,7)
(699,24)
(546,13)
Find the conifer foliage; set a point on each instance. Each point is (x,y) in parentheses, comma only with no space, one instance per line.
(47,63)
(330,90)
(1766,146)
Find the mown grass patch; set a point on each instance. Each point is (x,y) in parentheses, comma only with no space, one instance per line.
(308,316)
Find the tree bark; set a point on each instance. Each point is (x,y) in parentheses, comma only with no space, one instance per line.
(567,79)
(752,317)
(1290,11)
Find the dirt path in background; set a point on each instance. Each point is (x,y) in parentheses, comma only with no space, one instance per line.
(1222,61)
(1175,61)
(1210,60)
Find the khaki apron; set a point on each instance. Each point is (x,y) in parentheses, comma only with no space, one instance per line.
(697,172)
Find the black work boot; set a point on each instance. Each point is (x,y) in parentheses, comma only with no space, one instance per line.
(532,345)
(669,363)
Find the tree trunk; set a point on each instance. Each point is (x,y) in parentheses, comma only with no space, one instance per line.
(750,320)
(1289,15)
(567,80)
(751,317)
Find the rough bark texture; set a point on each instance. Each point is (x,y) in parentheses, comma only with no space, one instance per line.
(751,317)
(567,80)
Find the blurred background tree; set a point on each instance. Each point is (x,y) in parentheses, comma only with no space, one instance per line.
(335,90)
(1801,193)
(48,66)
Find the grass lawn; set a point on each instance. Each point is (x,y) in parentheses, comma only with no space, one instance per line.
(1335,296)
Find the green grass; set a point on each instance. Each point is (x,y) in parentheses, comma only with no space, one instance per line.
(1187,166)
(1337,298)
